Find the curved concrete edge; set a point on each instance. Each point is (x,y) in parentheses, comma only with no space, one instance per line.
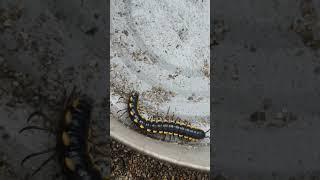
(191,157)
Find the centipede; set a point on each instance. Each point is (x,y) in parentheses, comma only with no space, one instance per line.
(162,126)
(71,147)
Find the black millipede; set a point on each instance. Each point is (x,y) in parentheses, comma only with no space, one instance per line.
(71,147)
(160,126)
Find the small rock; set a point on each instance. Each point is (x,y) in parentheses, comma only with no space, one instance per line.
(7,23)
(15,83)
(1,59)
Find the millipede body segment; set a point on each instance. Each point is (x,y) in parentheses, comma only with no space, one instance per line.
(158,126)
(73,140)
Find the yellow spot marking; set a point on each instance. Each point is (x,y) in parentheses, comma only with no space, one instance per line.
(186,137)
(165,132)
(175,134)
(180,135)
(160,132)
(131,105)
(149,130)
(132,113)
(191,139)
(141,126)
(68,117)
(135,120)
(189,126)
(76,103)
(90,157)
(154,131)
(65,138)
(131,99)
(170,133)
(69,164)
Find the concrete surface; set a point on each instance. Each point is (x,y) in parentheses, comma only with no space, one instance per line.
(43,42)
(266,89)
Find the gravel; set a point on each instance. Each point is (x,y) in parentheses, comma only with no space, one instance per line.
(127,163)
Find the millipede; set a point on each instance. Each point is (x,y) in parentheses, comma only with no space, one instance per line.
(160,125)
(71,147)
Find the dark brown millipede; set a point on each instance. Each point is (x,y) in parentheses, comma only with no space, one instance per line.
(71,140)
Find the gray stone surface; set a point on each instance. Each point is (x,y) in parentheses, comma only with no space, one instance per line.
(266,89)
(41,42)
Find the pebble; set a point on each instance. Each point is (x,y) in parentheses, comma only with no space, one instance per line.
(15,83)
(7,23)
(1,60)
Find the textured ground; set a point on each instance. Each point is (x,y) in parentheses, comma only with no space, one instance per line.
(130,164)
(266,89)
(43,46)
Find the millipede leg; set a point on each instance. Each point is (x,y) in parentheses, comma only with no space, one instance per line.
(66,98)
(173,115)
(120,99)
(168,112)
(121,110)
(163,138)
(155,116)
(43,164)
(36,127)
(122,114)
(36,154)
(39,113)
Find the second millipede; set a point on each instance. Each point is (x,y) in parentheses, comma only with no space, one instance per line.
(71,140)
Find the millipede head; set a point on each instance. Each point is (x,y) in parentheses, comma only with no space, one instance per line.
(135,94)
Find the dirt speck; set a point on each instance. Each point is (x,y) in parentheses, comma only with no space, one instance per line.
(158,95)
